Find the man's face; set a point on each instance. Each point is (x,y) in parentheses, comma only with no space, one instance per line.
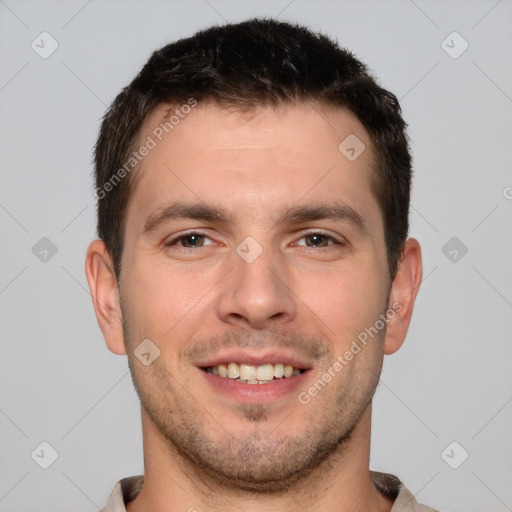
(270,251)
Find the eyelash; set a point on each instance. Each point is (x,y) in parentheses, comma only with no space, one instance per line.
(304,234)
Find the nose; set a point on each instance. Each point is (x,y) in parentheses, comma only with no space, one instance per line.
(256,295)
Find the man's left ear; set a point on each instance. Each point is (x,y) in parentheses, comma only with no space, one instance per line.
(403,293)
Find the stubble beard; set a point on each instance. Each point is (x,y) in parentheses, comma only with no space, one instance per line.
(256,461)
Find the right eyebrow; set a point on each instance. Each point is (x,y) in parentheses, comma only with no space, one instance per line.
(181,210)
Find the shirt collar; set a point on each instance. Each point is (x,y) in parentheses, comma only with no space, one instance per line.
(127,489)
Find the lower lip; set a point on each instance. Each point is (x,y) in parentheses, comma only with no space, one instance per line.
(256,393)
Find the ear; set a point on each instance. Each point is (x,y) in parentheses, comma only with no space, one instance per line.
(105,295)
(404,289)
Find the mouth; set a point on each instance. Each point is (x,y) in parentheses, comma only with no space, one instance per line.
(255,377)
(243,373)
(256,380)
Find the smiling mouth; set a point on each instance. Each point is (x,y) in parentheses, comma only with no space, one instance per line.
(250,374)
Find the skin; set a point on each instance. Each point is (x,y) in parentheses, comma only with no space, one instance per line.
(207,451)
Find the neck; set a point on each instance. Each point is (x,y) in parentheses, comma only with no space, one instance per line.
(341,483)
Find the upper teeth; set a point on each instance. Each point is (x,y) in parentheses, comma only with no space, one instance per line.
(253,374)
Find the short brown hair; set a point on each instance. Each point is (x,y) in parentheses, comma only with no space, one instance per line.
(246,65)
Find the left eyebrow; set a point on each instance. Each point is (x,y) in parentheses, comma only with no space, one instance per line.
(324,211)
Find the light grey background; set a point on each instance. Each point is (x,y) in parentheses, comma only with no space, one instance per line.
(450,382)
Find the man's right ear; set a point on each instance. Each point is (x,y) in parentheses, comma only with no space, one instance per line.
(105,295)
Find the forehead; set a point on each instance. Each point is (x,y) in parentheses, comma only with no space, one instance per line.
(253,159)
(231,127)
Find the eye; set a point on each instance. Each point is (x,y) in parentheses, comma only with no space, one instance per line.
(316,239)
(192,240)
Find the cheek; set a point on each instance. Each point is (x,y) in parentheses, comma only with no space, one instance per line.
(159,299)
(346,301)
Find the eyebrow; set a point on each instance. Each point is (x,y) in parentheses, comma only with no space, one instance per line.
(196,211)
(325,211)
(294,215)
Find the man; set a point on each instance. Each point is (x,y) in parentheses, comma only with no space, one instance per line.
(253,186)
